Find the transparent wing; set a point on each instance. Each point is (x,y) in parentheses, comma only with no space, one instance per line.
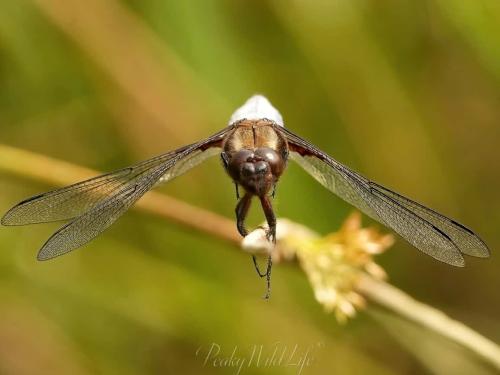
(432,233)
(466,240)
(69,202)
(90,224)
(95,204)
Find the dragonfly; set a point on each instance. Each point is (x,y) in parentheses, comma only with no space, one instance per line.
(254,148)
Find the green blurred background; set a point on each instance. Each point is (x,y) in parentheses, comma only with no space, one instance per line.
(406,92)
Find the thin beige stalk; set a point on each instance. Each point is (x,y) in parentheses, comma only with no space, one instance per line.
(431,318)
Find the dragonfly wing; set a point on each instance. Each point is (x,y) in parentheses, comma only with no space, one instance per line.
(100,201)
(430,232)
(68,202)
(90,224)
(72,201)
(467,241)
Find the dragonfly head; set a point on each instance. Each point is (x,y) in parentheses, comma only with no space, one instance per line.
(257,171)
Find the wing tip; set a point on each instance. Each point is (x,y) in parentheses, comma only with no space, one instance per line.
(482,253)
(10,220)
(44,255)
(478,250)
(455,258)
(51,249)
(6,219)
(4,222)
(460,263)
(485,250)
(457,261)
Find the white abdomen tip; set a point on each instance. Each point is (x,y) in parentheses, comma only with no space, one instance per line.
(257,108)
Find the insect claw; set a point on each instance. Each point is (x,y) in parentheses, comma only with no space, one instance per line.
(271,235)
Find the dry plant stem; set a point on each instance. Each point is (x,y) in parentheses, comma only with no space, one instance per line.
(56,172)
(401,303)
(52,171)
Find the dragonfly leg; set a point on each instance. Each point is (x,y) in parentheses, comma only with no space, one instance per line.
(271,236)
(273,193)
(266,274)
(237,190)
(241,213)
(270,218)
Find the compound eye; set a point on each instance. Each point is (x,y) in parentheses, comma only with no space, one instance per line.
(261,167)
(267,154)
(236,162)
(247,169)
(272,158)
(241,156)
